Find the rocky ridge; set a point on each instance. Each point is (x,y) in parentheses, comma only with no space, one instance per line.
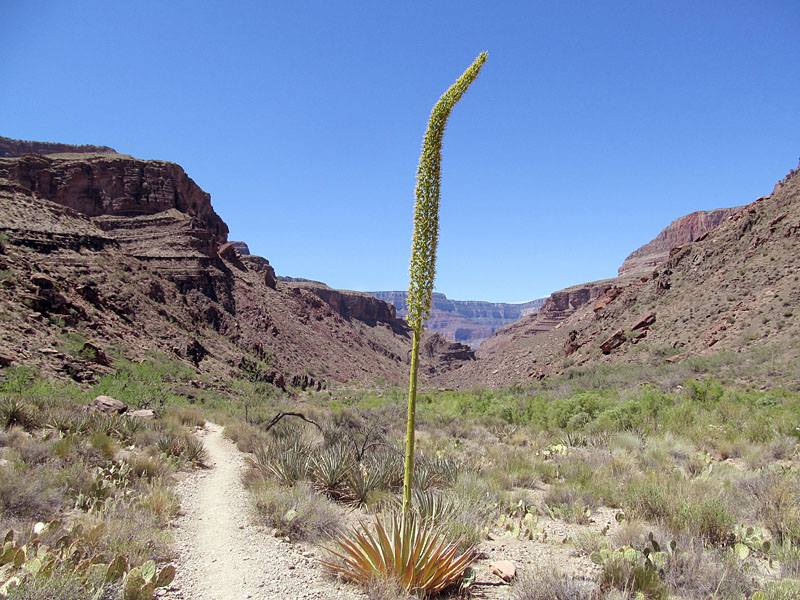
(733,288)
(130,256)
(681,231)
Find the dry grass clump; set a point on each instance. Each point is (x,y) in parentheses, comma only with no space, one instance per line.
(188,416)
(297,511)
(246,437)
(32,494)
(550,584)
(696,573)
(775,501)
(671,501)
(63,585)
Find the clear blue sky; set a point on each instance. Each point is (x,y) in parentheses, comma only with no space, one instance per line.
(591,127)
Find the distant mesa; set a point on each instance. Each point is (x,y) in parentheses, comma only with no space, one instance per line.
(469,322)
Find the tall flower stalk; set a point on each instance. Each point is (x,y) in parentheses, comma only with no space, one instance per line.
(423,246)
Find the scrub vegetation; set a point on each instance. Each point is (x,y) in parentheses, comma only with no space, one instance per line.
(709,468)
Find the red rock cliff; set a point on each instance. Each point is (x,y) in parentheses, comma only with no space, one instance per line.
(681,231)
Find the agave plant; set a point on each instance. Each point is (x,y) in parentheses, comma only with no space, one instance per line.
(360,482)
(286,463)
(389,464)
(330,467)
(402,548)
(422,269)
(433,506)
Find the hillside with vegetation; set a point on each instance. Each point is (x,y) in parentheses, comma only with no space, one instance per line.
(732,292)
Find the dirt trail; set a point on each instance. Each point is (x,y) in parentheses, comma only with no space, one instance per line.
(222,556)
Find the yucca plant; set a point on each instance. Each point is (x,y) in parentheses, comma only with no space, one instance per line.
(388,462)
(423,245)
(16,412)
(402,548)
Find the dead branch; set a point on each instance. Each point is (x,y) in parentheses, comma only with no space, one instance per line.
(280,415)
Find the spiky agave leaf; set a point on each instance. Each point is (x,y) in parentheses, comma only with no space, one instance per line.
(411,551)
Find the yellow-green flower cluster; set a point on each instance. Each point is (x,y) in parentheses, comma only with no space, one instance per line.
(426,209)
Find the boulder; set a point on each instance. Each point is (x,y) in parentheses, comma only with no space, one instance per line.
(142,413)
(94,353)
(504,569)
(228,253)
(607,298)
(615,341)
(645,321)
(108,405)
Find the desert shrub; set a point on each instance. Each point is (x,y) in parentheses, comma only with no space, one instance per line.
(63,585)
(783,447)
(104,444)
(146,467)
(34,494)
(632,576)
(651,498)
(35,452)
(123,528)
(704,391)
(566,502)
(474,502)
(246,437)
(775,501)
(189,416)
(703,510)
(697,573)
(549,584)
(160,501)
(788,555)
(296,512)
(515,468)
(17,412)
(586,542)
(182,445)
(709,517)
(787,589)
(576,411)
